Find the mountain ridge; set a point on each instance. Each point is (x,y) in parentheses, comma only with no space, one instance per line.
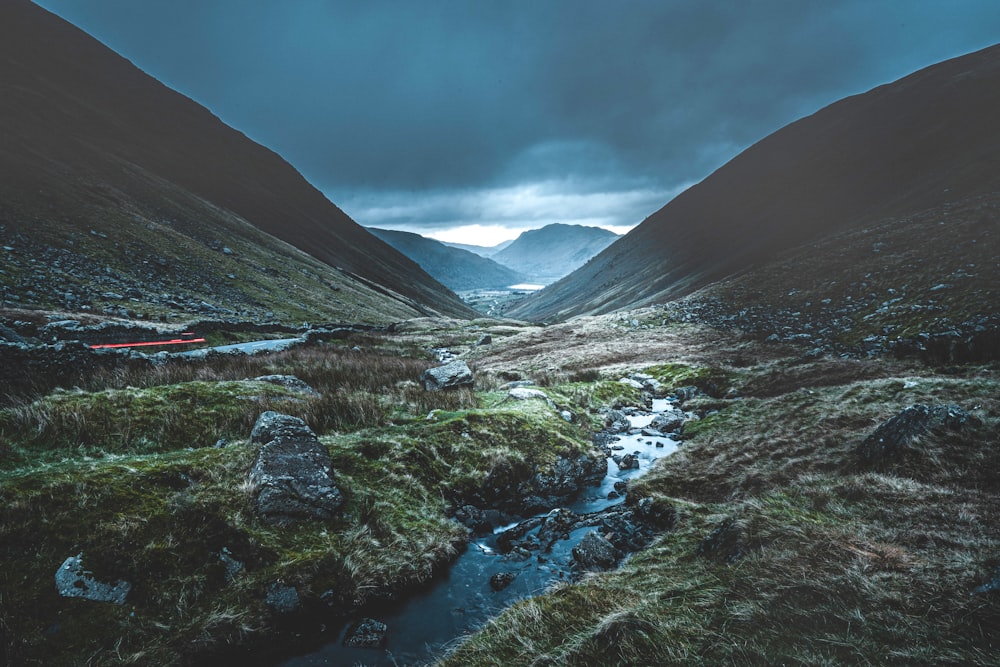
(94,144)
(900,148)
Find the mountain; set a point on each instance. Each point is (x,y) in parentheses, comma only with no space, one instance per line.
(455,268)
(549,253)
(482,251)
(118,194)
(928,142)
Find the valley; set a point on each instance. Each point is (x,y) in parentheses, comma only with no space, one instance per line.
(238,427)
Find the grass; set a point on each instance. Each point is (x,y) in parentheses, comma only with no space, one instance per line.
(121,475)
(838,563)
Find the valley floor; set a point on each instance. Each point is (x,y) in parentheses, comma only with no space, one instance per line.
(794,539)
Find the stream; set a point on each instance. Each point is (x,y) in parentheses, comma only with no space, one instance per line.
(460,600)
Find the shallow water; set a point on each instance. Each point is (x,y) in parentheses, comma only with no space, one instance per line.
(460,600)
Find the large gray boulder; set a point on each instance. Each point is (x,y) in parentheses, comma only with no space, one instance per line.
(72,581)
(450,376)
(293,473)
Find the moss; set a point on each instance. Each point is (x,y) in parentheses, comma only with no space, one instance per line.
(713,381)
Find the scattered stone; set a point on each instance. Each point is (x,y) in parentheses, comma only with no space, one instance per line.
(502,580)
(617,421)
(289,382)
(282,599)
(450,376)
(72,581)
(524,394)
(293,472)
(594,553)
(914,421)
(630,383)
(567,416)
(485,339)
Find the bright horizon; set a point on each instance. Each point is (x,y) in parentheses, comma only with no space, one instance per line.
(490,235)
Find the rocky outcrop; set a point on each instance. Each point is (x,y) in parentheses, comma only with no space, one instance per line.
(450,376)
(292,475)
(897,433)
(72,581)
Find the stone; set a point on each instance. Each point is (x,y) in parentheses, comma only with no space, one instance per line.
(899,431)
(293,473)
(271,424)
(668,421)
(686,393)
(282,599)
(366,633)
(72,581)
(594,552)
(617,421)
(450,376)
(232,565)
(524,394)
(485,339)
(289,382)
(628,462)
(502,580)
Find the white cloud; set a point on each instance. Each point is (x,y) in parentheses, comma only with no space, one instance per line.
(490,215)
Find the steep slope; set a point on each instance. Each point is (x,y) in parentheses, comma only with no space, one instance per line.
(110,181)
(549,253)
(926,140)
(455,268)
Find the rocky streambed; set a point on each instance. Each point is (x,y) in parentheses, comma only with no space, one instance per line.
(504,563)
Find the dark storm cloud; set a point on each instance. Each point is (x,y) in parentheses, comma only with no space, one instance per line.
(440,100)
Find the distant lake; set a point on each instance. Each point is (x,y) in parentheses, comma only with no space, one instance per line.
(527,286)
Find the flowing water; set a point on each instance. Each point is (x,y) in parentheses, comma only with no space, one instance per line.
(460,600)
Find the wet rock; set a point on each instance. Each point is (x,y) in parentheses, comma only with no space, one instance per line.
(292,474)
(898,432)
(282,599)
(450,376)
(617,421)
(627,462)
(502,580)
(725,543)
(594,553)
(668,421)
(289,382)
(72,581)
(366,633)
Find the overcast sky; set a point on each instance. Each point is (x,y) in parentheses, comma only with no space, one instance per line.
(471,120)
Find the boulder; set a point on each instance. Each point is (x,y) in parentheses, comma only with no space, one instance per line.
(668,421)
(72,581)
(686,393)
(289,382)
(594,553)
(292,474)
(524,394)
(896,433)
(366,633)
(450,376)
(617,421)
(627,462)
